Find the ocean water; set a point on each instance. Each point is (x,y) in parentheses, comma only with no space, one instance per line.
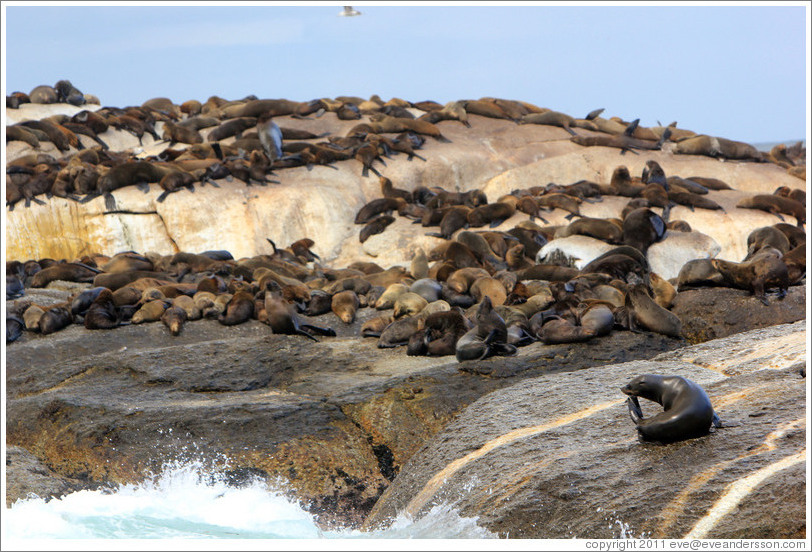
(183,502)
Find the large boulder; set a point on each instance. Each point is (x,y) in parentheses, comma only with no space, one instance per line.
(558,457)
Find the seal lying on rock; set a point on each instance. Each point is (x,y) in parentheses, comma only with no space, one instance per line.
(688,411)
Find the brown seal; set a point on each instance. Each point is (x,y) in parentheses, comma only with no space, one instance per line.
(151,311)
(641,228)
(552,118)
(698,273)
(644,313)
(55,318)
(69,272)
(795,234)
(174,133)
(764,270)
(43,94)
(408,304)
(561,201)
(602,229)
(345,304)
(718,147)
(377,207)
(102,313)
(487,286)
(375,226)
(488,337)
(664,292)
(174,318)
(238,310)
(31,317)
(766,236)
(283,319)
(776,205)
(375,326)
(493,214)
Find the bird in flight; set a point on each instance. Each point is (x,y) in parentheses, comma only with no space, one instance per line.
(349,12)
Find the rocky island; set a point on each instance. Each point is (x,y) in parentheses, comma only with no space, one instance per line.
(369,239)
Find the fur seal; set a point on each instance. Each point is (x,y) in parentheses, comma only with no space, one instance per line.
(14,328)
(492,288)
(102,313)
(55,318)
(151,311)
(31,317)
(375,226)
(766,236)
(718,147)
(764,270)
(69,272)
(374,326)
(174,318)
(552,118)
(488,337)
(376,207)
(643,227)
(644,313)
(776,205)
(601,229)
(419,267)
(409,304)
(698,273)
(493,214)
(43,94)
(283,319)
(345,304)
(688,412)
(239,309)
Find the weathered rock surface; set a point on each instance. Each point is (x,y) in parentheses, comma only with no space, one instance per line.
(558,457)
(335,419)
(494,155)
(710,313)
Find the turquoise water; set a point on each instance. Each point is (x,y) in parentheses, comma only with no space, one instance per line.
(184,503)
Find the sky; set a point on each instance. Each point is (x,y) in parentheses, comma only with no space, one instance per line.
(731,70)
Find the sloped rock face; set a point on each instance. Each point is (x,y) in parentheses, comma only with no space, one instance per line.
(494,155)
(712,313)
(558,457)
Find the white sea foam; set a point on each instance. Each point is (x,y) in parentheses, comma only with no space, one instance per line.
(184,502)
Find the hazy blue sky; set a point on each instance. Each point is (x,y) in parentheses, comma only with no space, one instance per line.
(733,71)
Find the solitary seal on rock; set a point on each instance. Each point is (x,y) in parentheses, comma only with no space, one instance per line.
(688,411)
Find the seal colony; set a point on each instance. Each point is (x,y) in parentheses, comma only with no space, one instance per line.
(484,291)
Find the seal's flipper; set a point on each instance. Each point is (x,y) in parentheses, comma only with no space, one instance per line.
(631,128)
(327,332)
(38,201)
(89,197)
(143,186)
(635,411)
(109,201)
(504,349)
(496,222)
(300,331)
(162,197)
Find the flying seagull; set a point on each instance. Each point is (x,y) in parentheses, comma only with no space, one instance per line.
(349,12)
